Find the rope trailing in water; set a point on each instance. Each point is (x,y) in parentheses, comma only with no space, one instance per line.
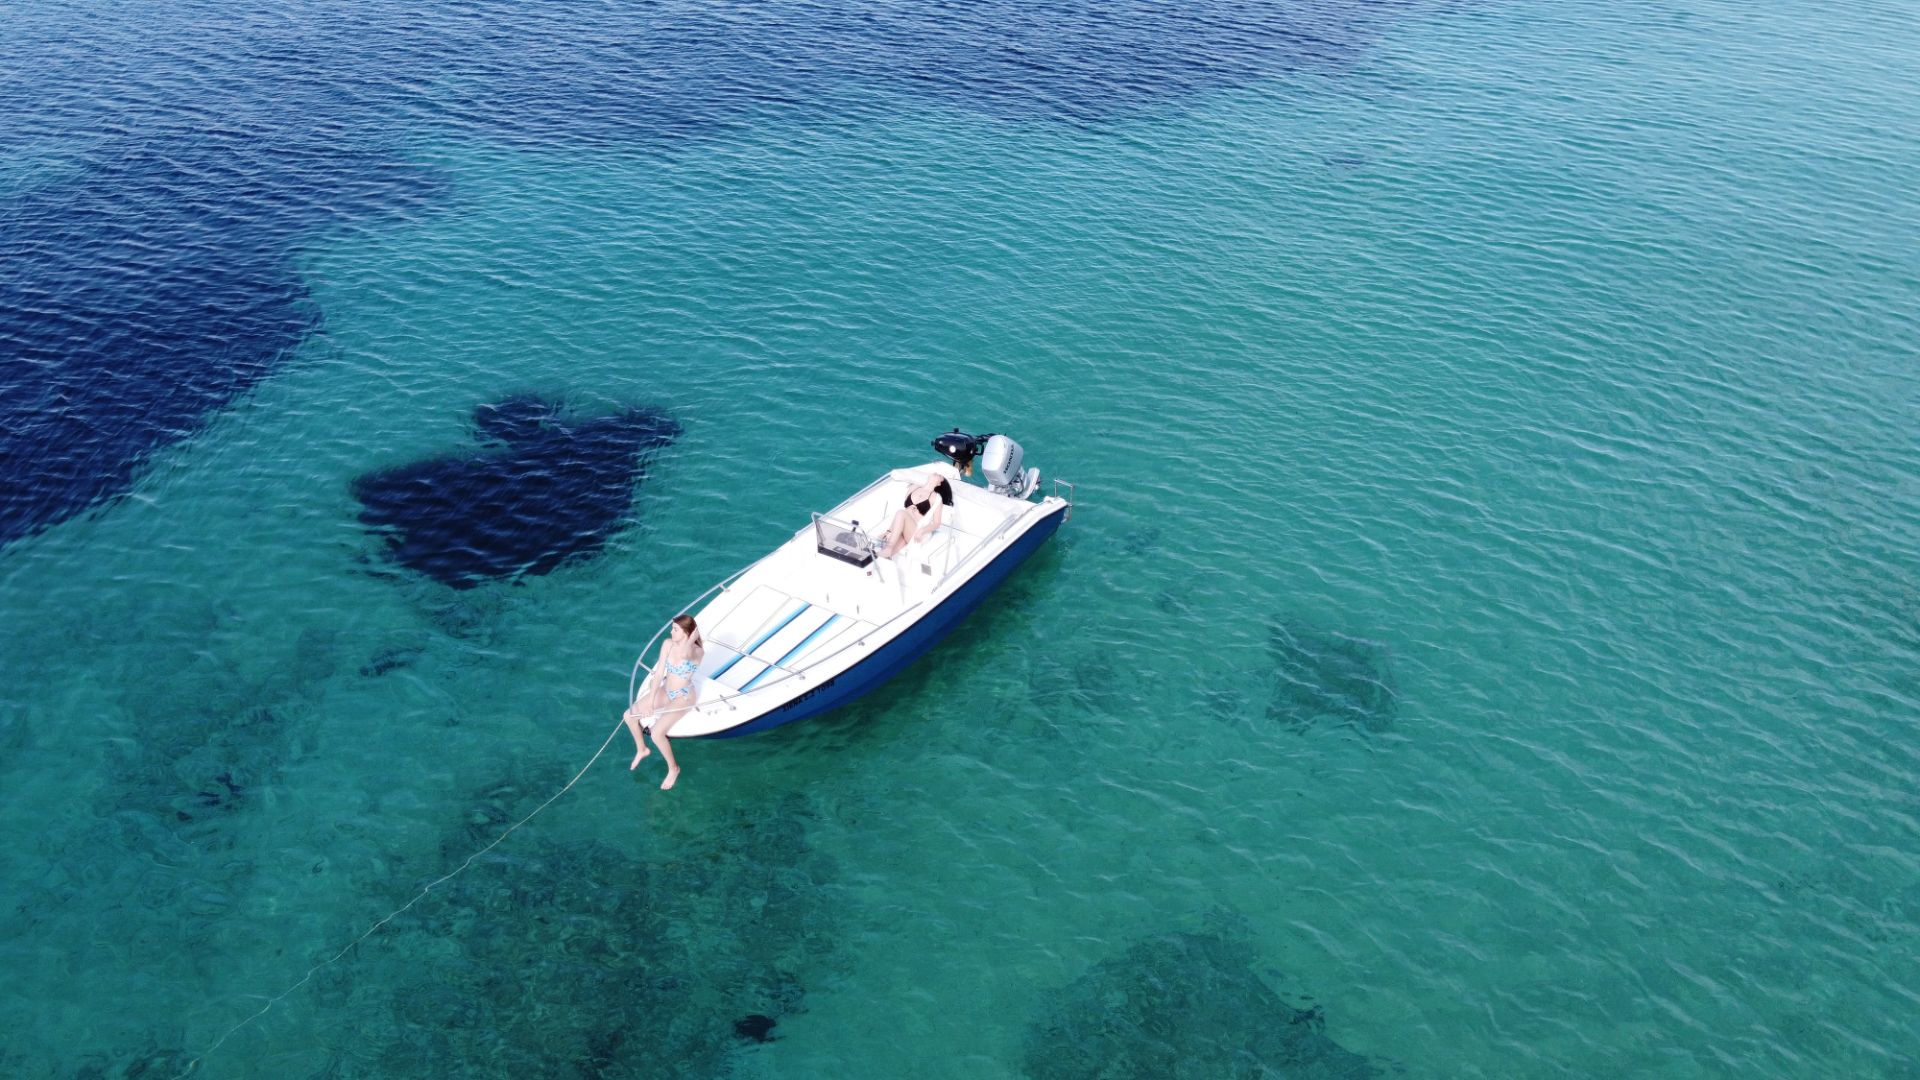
(397,912)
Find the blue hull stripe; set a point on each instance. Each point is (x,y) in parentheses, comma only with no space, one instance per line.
(724,668)
(791,653)
(912,643)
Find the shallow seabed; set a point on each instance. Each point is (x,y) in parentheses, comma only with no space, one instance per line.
(1487,643)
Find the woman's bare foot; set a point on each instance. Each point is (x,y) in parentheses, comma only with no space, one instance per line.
(636,758)
(672,775)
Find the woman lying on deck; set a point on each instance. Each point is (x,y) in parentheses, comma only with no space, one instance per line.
(919,516)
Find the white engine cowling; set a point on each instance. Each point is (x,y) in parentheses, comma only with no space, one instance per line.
(1000,463)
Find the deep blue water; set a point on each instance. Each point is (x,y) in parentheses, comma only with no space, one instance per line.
(146,281)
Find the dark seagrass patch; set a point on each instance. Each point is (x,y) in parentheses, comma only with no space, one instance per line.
(1183,1006)
(546,488)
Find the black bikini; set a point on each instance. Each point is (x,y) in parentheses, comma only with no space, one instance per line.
(941,489)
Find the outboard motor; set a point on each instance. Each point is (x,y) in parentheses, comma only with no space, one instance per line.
(957,445)
(1000,460)
(1001,464)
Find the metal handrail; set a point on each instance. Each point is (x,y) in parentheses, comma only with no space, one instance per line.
(633,680)
(981,545)
(994,534)
(728,696)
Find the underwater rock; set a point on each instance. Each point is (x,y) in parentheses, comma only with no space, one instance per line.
(210,739)
(314,656)
(147,1063)
(1183,1006)
(1221,702)
(756,1027)
(223,794)
(1322,675)
(1141,542)
(553,490)
(193,783)
(1169,602)
(15,732)
(1086,682)
(468,616)
(564,957)
(387,659)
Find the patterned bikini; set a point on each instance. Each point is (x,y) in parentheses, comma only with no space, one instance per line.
(681,670)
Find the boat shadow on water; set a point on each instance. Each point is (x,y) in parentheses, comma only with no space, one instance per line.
(972,663)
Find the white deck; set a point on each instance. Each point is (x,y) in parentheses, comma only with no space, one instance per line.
(799,616)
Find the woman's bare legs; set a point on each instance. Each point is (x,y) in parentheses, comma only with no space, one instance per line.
(645,705)
(660,728)
(897,534)
(632,719)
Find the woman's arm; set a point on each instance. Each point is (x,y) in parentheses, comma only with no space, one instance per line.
(933,519)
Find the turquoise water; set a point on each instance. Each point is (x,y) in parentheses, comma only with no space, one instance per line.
(1489,617)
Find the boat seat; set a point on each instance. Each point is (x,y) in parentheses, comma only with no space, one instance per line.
(930,559)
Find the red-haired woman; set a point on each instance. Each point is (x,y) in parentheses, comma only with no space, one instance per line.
(667,694)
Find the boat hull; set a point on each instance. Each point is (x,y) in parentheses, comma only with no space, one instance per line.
(911,644)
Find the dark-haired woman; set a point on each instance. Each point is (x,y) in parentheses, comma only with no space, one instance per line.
(919,515)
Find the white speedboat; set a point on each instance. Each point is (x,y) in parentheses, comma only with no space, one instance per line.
(824,619)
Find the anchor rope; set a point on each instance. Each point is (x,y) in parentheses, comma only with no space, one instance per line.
(397,912)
